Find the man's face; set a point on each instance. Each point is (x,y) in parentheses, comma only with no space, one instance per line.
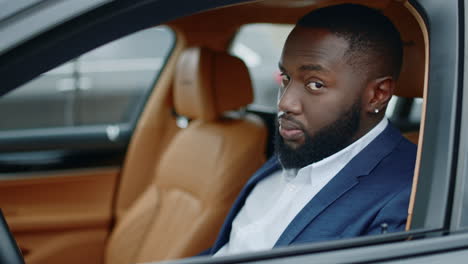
(319,99)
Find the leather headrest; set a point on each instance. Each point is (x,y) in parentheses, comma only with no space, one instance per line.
(208,83)
(410,84)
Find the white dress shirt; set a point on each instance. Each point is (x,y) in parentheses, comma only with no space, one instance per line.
(276,200)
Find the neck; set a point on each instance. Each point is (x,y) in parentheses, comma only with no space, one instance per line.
(367,125)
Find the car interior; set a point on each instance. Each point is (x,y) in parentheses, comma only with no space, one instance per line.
(177,182)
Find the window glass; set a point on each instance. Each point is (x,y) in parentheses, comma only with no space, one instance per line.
(260,46)
(103,86)
(405,113)
(416,110)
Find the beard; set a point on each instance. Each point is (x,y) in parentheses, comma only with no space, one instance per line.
(324,143)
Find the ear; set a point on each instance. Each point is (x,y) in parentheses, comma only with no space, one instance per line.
(378,93)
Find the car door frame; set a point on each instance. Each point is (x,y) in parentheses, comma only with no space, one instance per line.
(439,161)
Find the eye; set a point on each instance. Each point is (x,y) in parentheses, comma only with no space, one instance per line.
(284,80)
(314,86)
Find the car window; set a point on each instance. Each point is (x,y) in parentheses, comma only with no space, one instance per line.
(405,113)
(259,46)
(103,86)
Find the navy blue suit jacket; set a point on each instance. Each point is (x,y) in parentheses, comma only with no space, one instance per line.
(372,189)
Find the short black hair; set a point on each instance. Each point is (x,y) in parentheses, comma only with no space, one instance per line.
(373,39)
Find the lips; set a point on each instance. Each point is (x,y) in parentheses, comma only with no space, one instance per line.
(290,130)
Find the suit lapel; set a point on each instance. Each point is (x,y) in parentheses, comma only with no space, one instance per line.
(362,164)
(338,186)
(270,166)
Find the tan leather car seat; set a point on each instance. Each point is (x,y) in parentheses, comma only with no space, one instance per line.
(203,169)
(412,136)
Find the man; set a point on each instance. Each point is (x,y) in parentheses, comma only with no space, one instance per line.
(340,169)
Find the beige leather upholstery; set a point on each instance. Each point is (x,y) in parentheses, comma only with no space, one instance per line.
(201,171)
(412,75)
(208,83)
(412,136)
(152,135)
(54,221)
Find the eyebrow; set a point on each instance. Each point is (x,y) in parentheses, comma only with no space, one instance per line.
(312,67)
(281,68)
(307,67)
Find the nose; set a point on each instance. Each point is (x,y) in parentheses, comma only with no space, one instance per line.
(289,99)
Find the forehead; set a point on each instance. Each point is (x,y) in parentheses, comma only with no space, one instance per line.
(314,45)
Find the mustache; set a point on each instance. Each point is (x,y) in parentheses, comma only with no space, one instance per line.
(283,115)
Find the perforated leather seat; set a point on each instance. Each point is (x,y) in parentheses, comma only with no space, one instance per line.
(203,168)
